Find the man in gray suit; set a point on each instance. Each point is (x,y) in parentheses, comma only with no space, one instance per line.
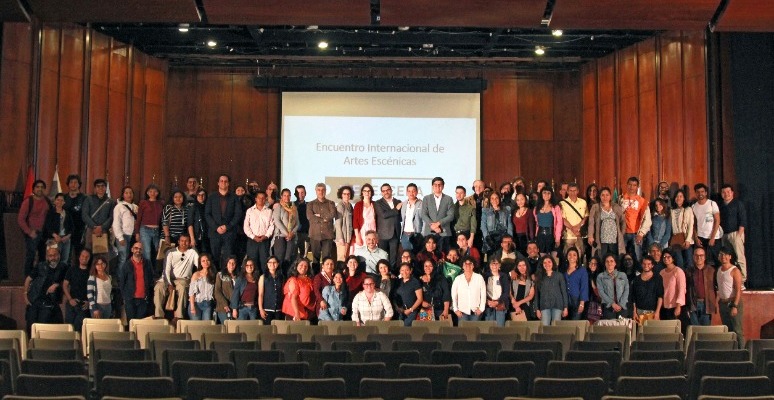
(438,214)
(387,210)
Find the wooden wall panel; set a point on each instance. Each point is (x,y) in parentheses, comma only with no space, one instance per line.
(153,153)
(119,67)
(541,156)
(116,139)
(15,72)
(660,129)
(69,128)
(500,110)
(249,107)
(589,132)
(97,139)
(535,109)
(214,117)
(567,106)
(182,101)
(71,61)
(507,156)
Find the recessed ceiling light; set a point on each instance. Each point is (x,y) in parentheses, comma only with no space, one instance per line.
(312,27)
(403,28)
(212,43)
(183,27)
(323,45)
(540,50)
(557,32)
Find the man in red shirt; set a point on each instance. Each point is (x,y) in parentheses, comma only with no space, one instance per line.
(32,217)
(637,216)
(135,278)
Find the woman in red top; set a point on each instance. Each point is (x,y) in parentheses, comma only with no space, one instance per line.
(147,225)
(523,223)
(363,215)
(299,295)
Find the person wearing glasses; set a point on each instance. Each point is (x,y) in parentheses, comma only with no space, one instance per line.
(370,304)
(468,292)
(135,278)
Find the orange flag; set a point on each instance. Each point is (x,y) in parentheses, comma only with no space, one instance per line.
(30,181)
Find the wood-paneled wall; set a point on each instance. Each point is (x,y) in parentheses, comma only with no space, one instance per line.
(220,123)
(217,122)
(645,113)
(100,107)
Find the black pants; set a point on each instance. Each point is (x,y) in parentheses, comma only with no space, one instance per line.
(259,253)
(41,313)
(322,248)
(136,308)
(33,247)
(222,247)
(391,247)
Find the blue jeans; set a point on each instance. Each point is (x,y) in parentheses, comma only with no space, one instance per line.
(405,243)
(135,308)
(105,309)
(149,237)
(700,316)
(248,312)
(683,257)
(223,316)
(408,319)
(492,314)
(75,315)
(64,250)
(472,317)
(123,251)
(630,242)
(550,315)
(203,310)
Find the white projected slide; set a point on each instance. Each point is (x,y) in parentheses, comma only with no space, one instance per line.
(344,141)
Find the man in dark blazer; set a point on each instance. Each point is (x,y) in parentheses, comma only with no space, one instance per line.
(438,214)
(387,210)
(223,212)
(136,279)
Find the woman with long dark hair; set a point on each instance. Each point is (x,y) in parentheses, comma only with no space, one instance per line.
(244,299)
(551,296)
(523,223)
(682,230)
(147,226)
(270,294)
(286,224)
(174,217)
(363,214)
(495,222)
(224,288)
(548,222)
(436,295)
(430,252)
(202,290)
(299,301)
(607,225)
(522,292)
(408,295)
(577,284)
(197,223)
(98,289)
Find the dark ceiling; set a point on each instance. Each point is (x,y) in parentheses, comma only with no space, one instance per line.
(391,32)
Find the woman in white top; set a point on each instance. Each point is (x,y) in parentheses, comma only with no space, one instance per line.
(469,292)
(201,290)
(682,230)
(370,304)
(98,289)
(124,217)
(729,296)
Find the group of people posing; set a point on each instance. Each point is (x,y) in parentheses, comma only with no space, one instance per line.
(496,254)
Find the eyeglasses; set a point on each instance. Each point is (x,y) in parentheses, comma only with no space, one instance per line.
(368,284)
(666,256)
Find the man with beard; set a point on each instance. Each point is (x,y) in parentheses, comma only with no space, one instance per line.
(465,220)
(97,213)
(223,213)
(43,290)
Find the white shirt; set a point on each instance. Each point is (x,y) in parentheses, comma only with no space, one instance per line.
(371,257)
(259,222)
(705,219)
(467,296)
(123,220)
(408,225)
(493,288)
(377,309)
(180,264)
(437,200)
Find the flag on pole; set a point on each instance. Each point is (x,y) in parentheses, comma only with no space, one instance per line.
(56,183)
(107,190)
(29,182)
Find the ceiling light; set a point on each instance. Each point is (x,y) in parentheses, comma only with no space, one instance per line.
(557,32)
(183,27)
(323,45)
(312,27)
(212,43)
(540,50)
(403,28)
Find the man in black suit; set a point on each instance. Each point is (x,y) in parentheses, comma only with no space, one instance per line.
(223,212)
(387,210)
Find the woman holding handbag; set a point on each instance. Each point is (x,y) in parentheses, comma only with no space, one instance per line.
(522,292)
(682,230)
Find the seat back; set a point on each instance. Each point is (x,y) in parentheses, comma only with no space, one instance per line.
(198,331)
(307,332)
(134,387)
(38,327)
(416,332)
(291,349)
(392,359)
(334,326)
(471,331)
(506,340)
(539,357)
(356,349)
(318,358)
(674,323)
(137,369)
(701,369)
(266,373)
(612,358)
(652,386)
(326,341)
(171,356)
(438,374)
(53,368)
(383,326)
(465,358)
(269,340)
(532,326)
(447,339)
(352,373)
(524,371)
(183,325)
(490,347)
(735,386)
(241,358)
(425,348)
(496,388)
(91,325)
(182,371)
(651,368)
(554,346)
(202,388)
(209,338)
(360,332)
(159,346)
(223,349)
(254,332)
(233,325)
(582,325)
(300,389)
(143,331)
(396,389)
(20,337)
(591,388)
(565,339)
(44,385)
(284,326)
(386,339)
